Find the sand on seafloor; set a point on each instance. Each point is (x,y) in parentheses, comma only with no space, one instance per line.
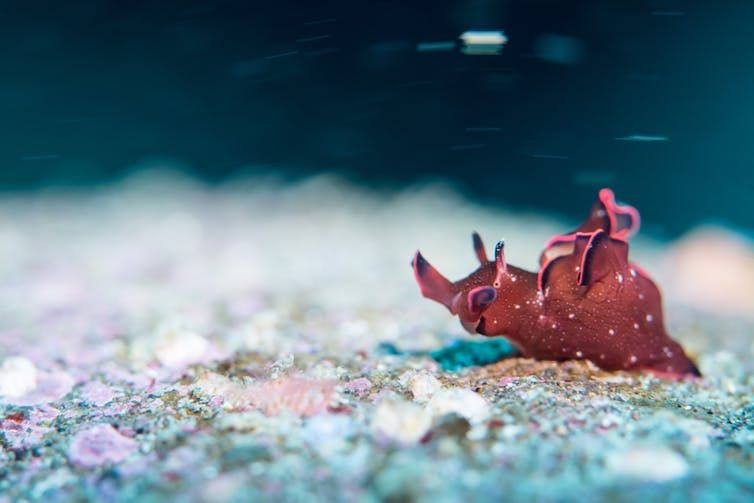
(259,341)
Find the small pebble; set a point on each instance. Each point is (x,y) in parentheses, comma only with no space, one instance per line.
(18,376)
(401,421)
(649,464)
(359,386)
(423,386)
(178,347)
(461,401)
(99,445)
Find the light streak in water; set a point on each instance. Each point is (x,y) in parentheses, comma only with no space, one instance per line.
(483,42)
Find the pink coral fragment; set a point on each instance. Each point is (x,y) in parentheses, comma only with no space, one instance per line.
(299,395)
(99,445)
(359,386)
(98,394)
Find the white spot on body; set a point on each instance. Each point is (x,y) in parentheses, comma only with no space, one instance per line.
(620,278)
(636,326)
(633,272)
(649,317)
(571,316)
(633,359)
(517,306)
(611,332)
(579,354)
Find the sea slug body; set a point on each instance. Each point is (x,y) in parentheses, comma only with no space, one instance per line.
(587,301)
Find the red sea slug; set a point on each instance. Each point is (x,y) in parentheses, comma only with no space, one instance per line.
(586,302)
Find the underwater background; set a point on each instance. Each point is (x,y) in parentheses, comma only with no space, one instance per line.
(209,209)
(650,97)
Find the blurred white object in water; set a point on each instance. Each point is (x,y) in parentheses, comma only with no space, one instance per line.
(483,42)
(712,269)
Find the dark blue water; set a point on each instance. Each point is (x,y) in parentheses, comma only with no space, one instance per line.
(90,89)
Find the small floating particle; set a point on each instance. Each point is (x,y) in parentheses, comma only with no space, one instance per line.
(550,156)
(281,55)
(642,137)
(435,46)
(489,43)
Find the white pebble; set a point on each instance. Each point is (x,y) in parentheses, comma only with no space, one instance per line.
(423,386)
(463,402)
(401,421)
(650,464)
(18,376)
(178,347)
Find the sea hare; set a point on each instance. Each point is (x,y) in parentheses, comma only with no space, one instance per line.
(586,302)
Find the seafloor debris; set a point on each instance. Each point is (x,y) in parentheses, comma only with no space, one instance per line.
(295,398)
(100,445)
